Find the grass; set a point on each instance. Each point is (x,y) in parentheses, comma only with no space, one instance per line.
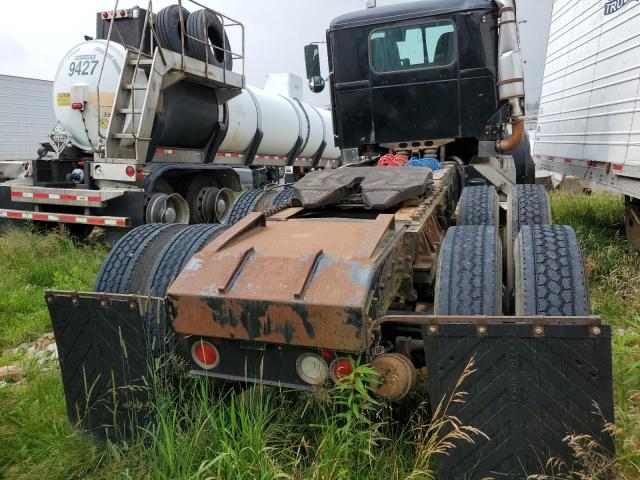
(31,262)
(266,433)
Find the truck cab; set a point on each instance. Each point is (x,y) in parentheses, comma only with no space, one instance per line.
(420,78)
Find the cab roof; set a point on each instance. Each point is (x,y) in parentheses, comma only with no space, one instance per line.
(405,11)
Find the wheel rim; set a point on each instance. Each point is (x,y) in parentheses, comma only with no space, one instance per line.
(163,208)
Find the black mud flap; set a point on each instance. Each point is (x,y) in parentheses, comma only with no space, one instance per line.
(104,360)
(533,385)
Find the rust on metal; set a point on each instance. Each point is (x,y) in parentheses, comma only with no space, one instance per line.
(232,267)
(397,376)
(285,214)
(429,240)
(309,281)
(305,273)
(306,282)
(633,225)
(381,225)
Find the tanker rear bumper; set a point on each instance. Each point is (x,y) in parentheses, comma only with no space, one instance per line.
(123,211)
(536,380)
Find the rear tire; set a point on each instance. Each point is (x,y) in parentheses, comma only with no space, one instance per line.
(526,205)
(469,276)
(479,206)
(128,263)
(167,265)
(246,203)
(550,278)
(283,197)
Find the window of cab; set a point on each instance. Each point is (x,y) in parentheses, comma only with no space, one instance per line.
(412,47)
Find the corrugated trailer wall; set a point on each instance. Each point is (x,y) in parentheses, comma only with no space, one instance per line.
(589,121)
(26,116)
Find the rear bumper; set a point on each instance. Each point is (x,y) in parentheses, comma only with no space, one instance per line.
(111,208)
(101,221)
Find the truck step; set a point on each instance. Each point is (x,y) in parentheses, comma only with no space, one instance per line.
(124,136)
(129,86)
(126,111)
(142,63)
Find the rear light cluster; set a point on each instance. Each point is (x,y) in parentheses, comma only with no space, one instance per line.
(205,355)
(315,369)
(134,13)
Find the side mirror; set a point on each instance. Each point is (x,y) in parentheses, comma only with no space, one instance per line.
(312,60)
(316,84)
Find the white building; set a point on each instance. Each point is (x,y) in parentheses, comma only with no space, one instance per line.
(26,116)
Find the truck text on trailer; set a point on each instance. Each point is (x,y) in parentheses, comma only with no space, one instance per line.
(589,122)
(362,262)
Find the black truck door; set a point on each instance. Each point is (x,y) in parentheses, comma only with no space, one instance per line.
(415,81)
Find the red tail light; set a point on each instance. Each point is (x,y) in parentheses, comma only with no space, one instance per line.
(130,171)
(205,355)
(340,367)
(77,106)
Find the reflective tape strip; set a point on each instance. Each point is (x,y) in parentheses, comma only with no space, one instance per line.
(55,196)
(66,218)
(617,167)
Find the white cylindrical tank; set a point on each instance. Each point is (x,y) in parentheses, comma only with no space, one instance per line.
(82,77)
(282,121)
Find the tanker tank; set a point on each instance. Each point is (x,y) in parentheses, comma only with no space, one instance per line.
(85,88)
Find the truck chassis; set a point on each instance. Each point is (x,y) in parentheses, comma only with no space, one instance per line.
(326,276)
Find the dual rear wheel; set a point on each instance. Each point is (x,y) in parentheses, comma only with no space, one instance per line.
(544,272)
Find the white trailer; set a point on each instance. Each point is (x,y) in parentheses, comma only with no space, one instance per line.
(589,119)
(154,118)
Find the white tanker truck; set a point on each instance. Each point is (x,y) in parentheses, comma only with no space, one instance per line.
(152,118)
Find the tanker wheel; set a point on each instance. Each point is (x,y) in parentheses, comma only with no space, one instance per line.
(249,201)
(479,206)
(550,278)
(167,264)
(127,265)
(469,275)
(208,202)
(526,205)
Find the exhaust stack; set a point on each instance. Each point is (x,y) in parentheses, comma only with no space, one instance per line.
(510,73)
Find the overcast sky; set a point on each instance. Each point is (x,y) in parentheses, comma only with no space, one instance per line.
(275,32)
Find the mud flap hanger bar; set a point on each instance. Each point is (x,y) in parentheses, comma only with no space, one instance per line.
(482,322)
